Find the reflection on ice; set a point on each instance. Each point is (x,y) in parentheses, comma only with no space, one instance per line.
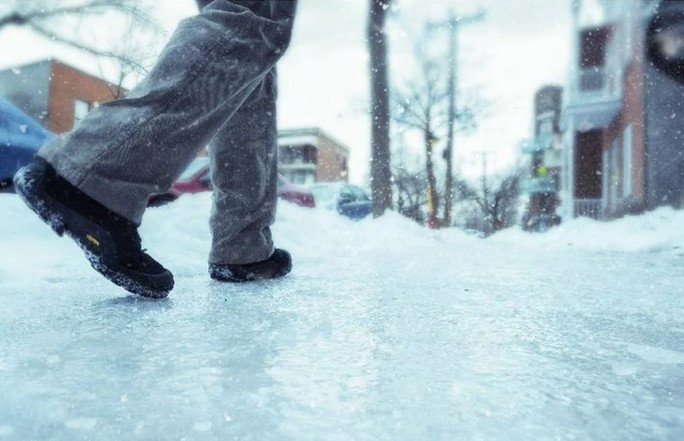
(436,336)
(656,355)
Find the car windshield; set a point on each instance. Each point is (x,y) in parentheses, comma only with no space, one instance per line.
(359,193)
(193,168)
(325,193)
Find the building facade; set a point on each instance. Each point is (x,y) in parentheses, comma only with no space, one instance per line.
(310,155)
(54,93)
(622,122)
(542,183)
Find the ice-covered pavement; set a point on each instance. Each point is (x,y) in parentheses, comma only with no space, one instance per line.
(384,331)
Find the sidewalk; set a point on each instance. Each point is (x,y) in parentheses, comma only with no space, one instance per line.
(384,331)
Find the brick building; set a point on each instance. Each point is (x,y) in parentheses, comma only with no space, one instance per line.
(310,155)
(54,93)
(622,118)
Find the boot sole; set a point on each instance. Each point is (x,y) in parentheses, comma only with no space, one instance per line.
(233,279)
(60,218)
(227,276)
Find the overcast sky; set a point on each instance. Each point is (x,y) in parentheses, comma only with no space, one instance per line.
(520,46)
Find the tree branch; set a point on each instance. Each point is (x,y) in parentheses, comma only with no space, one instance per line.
(85,48)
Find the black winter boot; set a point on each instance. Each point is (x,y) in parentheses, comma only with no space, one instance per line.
(278,265)
(110,242)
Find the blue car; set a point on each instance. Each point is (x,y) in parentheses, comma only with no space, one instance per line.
(20,138)
(347,199)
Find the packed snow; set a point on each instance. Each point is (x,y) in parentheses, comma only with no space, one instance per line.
(384,331)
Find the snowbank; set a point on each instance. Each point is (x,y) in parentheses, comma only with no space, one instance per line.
(658,230)
(384,330)
(178,234)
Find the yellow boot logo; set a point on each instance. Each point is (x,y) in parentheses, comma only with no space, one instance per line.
(92,240)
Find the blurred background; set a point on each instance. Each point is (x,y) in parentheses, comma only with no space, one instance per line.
(501,114)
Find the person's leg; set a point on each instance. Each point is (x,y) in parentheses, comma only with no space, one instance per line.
(98,177)
(126,149)
(245,179)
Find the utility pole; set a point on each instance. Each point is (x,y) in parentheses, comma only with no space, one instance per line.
(453,24)
(381,173)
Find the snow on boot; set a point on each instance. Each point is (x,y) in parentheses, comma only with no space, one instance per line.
(110,242)
(278,265)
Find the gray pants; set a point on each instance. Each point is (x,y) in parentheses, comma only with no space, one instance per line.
(214,84)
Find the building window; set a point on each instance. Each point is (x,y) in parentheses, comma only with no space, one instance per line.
(292,154)
(301,177)
(628,33)
(545,125)
(605,181)
(81,109)
(627,162)
(614,173)
(309,155)
(285,155)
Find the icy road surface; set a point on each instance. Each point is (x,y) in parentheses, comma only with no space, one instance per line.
(384,331)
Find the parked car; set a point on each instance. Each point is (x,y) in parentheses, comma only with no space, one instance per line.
(542,222)
(196,179)
(20,138)
(297,194)
(348,200)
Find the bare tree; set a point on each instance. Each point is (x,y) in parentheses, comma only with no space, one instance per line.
(409,186)
(411,196)
(381,175)
(138,51)
(422,105)
(58,21)
(497,198)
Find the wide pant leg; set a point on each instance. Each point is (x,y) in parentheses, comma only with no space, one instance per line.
(126,149)
(244,175)
(243,160)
